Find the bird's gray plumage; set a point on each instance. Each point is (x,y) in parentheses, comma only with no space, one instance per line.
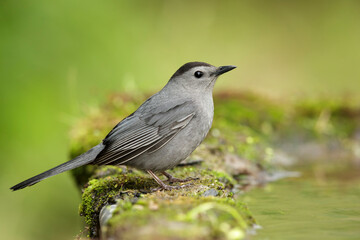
(163,131)
(79,161)
(147,130)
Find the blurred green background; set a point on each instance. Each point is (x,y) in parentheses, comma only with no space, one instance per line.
(57,57)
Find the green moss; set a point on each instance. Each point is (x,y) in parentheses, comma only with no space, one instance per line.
(111,183)
(184,217)
(107,185)
(328,118)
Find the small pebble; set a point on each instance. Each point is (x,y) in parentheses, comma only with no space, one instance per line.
(210,192)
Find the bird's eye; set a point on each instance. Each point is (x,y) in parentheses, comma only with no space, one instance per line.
(198,74)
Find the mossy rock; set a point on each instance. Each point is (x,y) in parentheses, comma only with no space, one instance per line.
(139,209)
(240,145)
(178,217)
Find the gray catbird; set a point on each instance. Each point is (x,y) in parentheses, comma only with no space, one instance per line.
(161,133)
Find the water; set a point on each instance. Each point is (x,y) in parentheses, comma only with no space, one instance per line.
(321,204)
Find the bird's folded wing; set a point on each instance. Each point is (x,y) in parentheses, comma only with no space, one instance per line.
(146,132)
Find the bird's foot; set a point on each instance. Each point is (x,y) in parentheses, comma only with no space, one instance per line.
(163,186)
(172,179)
(168,188)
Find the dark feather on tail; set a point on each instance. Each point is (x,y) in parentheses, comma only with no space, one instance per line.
(79,161)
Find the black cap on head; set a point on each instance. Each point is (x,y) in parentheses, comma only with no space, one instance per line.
(187,66)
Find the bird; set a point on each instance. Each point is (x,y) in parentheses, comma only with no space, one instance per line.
(161,133)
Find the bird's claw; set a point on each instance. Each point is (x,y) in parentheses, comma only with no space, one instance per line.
(174,179)
(168,188)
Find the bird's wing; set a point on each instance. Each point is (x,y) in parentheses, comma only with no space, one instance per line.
(145,132)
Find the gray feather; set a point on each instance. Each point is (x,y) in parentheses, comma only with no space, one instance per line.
(150,130)
(79,161)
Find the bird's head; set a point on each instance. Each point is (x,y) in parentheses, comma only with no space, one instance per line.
(198,75)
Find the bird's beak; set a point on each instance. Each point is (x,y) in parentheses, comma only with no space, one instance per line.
(224,69)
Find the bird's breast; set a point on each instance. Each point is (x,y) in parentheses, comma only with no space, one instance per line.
(204,117)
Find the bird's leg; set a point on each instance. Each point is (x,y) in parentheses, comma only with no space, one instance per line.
(172,179)
(163,186)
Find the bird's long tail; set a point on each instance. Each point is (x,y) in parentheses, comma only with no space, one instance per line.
(79,161)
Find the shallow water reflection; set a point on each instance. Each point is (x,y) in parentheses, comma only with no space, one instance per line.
(324,203)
